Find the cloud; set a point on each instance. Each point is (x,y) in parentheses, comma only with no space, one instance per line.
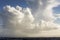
(30,20)
(42,9)
(57,15)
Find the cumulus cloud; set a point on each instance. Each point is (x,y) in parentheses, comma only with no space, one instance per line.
(30,20)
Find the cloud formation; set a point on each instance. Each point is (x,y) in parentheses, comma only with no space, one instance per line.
(30,20)
(43,7)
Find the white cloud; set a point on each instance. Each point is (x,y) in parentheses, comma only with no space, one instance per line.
(25,21)
(57,15)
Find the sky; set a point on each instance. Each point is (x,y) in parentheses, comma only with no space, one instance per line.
(20,3)
(12,3)
(23,3)
(56,10)
(28,16)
